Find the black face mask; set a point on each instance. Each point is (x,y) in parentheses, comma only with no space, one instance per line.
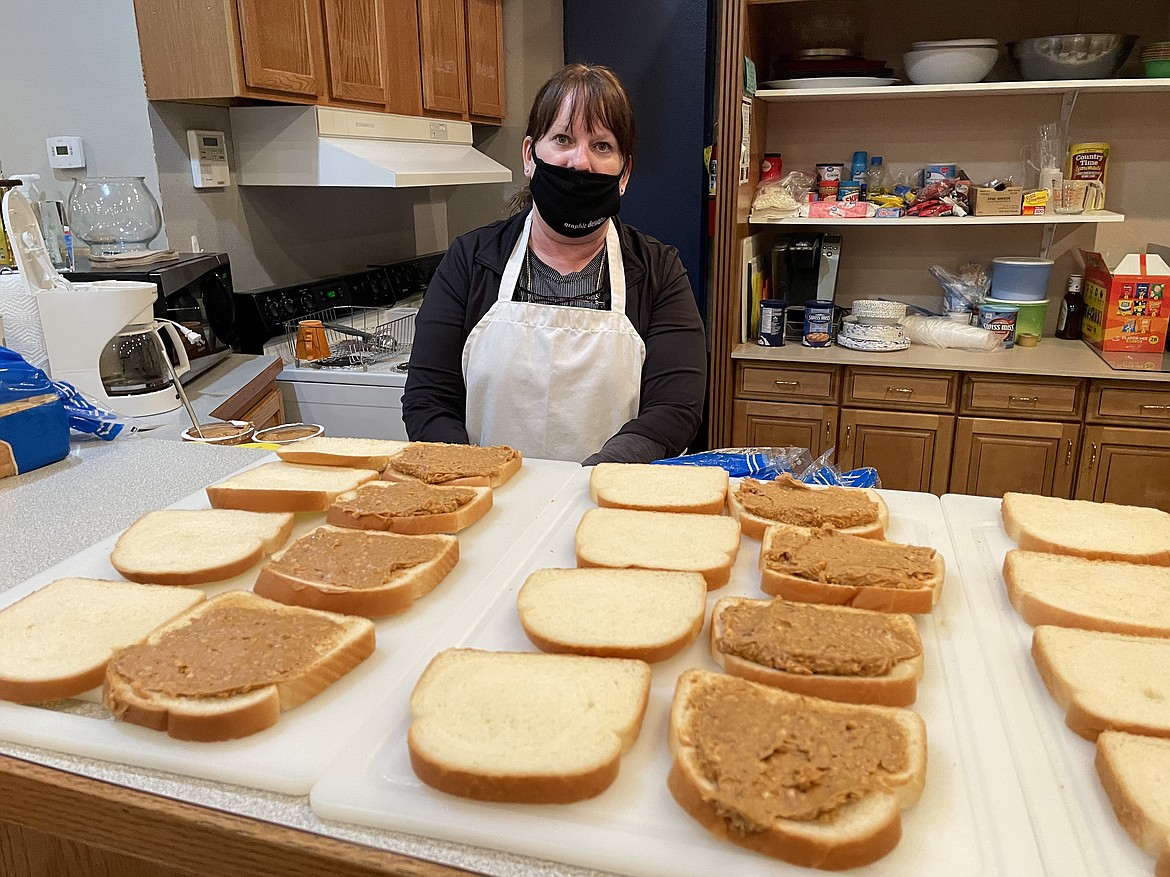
(574,203)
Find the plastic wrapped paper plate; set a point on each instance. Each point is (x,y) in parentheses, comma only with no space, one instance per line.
(872,346)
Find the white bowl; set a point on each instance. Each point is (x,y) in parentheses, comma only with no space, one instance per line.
(949,65)
(955,44)
(875,312)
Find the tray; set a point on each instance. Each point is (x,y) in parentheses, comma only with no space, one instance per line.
(290,756)
(1074,824)
(970,820)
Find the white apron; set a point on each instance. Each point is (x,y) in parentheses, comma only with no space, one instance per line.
(554,382)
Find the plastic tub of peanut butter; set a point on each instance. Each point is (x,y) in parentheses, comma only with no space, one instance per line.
(287,433)
(221,432)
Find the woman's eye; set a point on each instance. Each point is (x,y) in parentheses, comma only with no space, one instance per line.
(561,139)
(604,147)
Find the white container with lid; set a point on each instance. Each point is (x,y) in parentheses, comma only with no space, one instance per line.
(1020,278)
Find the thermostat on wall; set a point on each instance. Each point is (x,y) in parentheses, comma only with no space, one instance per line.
(209,166)
(65,152)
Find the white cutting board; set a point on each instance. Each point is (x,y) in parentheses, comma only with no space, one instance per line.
(1074,822)
(970,821)
(291,755)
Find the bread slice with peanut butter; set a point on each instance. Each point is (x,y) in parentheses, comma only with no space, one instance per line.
(810,781)
(357,572)
(454,465)
(213,674)
(759,504)
(835,652)
(412,508)
(828,566)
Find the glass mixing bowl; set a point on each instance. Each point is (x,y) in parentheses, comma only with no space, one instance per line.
(113,214)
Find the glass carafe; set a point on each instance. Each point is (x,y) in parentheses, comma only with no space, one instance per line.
(113,214)
(134,362)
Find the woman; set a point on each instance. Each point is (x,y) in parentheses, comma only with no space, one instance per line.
(560,331)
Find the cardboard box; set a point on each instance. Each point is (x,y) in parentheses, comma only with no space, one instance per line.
(1036,203)
(1126,308)
(991,202)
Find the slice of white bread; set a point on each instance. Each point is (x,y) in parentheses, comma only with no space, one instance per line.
(57,641)
(771,771)
(1096,530)
(219,649)
(197,546)
(454,465)
(620,538)
(830,566)
(1135,773)
(1107,595)
(356,453)
(806,505)
(357,572)
(646,487)
(647,614)
(286,487)
(410,507)
(520,727)
(834,652)
(1106,681)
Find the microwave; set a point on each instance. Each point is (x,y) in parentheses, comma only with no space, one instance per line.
(194,290)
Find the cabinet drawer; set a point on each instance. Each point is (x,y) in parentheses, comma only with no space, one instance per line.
(787,383)
(1032,398)
(901,389)
(1129,403)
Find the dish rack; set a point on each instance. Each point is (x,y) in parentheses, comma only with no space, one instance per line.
(357,337)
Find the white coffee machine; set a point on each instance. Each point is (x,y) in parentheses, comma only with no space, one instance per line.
(101,337)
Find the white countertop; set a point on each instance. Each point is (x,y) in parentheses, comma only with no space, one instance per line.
(1052,356)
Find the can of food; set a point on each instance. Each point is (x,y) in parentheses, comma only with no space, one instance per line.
(772,323)
(849,192)
(943,170)
(818,323)
(1000,319)
(830,173)
(771,167)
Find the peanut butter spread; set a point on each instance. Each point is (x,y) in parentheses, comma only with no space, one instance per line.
(768,761)
(405,499)
(809,640)
(225,652)
(436,463)
(354,558)
(790,502)
(840,559)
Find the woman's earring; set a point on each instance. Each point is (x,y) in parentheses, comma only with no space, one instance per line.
(622,190)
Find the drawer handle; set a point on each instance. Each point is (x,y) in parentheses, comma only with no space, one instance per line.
(1154,407)
(1023,400)
(828,433)
(909,391)
(1093,458)
(1068,453)
(795,385)
(848,435)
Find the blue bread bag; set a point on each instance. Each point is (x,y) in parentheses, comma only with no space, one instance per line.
(34,427)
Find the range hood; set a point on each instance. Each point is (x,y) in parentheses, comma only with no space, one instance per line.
(325,146)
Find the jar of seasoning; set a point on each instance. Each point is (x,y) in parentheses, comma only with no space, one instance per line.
(818,323)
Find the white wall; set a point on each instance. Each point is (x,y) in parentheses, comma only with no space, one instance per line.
(87,81)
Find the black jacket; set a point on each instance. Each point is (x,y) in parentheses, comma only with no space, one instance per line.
(659,303)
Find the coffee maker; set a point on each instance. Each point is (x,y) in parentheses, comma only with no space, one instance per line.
(804,267)
(100,337)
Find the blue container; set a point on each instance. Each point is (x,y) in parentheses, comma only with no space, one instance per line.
(818,323)
(772,323)
(1020,278)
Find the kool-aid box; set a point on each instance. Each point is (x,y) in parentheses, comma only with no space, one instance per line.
(1126,308)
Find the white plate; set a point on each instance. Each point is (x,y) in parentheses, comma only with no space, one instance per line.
(873,346)
(832,82)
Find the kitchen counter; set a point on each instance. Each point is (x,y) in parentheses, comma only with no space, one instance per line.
(1052,356)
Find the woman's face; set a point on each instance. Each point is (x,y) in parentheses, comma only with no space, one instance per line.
(569,143)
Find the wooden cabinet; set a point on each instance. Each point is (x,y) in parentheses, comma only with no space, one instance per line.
(1033,397)
(993,457)
(259,401)
(269,411)
(906,389)
(1127,466)
(909,451)
(782,382)
(434,57)
(777,425)
(1129,403)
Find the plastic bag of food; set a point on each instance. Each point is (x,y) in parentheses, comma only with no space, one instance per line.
(963,288)
(766,464)
(781,199)
(34,428)
(942,332)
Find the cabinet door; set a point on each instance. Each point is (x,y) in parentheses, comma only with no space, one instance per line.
(993,457)
(1126,466)
(355,37)
(909,451)
(442,41)
(269,411)
(777,425)
(283,46)
(485,58)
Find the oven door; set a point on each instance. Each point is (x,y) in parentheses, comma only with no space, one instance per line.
(206,308)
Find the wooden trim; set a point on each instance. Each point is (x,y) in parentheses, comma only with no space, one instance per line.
(249,394)
(403,64)
(724,305)
(179,836)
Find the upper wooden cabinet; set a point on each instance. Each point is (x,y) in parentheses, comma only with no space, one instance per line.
(415,57)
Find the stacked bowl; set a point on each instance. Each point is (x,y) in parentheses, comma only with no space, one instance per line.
(943,62)
(1156,57)
(1022,282)
(874,325)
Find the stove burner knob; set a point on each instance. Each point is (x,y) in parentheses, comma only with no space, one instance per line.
(307,302)
(274,309)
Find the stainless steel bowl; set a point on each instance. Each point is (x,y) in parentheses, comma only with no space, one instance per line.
(1071,56)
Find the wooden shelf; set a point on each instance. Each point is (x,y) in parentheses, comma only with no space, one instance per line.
(970,89)
(915,221)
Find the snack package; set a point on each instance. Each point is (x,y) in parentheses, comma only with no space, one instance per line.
(781,199)
(766,464)
(964,287)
